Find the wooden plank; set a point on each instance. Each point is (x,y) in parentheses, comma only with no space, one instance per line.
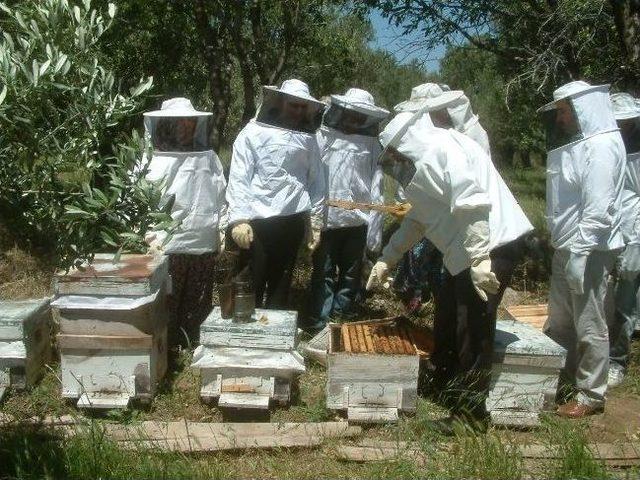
(238,388)
(353,336)
(372,414)
(361,339)
(243,400)
(382,338)
(409,348)
(368,339)
(345,339)
(105,342)
(199,437)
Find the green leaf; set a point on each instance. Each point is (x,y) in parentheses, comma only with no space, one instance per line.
(112,10)
(3,94)
(72,210)
(107,239)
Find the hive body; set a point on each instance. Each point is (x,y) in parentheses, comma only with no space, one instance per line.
(113,329)
(248,365)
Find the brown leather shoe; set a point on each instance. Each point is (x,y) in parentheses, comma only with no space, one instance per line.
(573,409)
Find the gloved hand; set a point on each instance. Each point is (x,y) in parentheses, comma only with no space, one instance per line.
(484,280)
(630,264)
(378,274)
(313,231)
(242,234)
(574,271)
(155,243)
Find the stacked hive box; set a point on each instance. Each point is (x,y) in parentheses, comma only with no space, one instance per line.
(246,365)
(373,369)
(25,342)
(113,329)
(525,374)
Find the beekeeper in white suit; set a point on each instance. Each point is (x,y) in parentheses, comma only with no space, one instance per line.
(585,176)
(190,172)
(460,113)
(276,189)
(623,322)
(462,205)
(349,148)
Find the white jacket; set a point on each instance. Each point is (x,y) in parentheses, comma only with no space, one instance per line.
(585,180)
(352,173)
(455,186)
(274,172)
(195,183)
(631,201)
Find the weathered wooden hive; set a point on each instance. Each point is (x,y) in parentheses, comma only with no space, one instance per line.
(373,369)
(112,319)
(25,342)
(247,365)
(525,374)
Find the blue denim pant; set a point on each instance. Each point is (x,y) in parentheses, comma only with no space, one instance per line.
(337,274)
(624,320)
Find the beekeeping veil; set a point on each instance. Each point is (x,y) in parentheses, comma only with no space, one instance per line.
(290,107)
(184,164)
(354,113)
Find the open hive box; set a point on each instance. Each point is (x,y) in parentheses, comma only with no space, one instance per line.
(25,342)
(248,365)
(113,321)
(373,368)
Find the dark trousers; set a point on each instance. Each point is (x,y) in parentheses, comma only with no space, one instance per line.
(464,331)
(270,260)
(337,274)
(191,295)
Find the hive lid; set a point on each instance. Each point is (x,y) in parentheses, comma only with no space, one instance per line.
(133,274)
(520,339)
(268,322)
(19,312)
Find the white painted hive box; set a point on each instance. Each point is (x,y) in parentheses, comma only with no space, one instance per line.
(25,342)
(525,374)
(248,365)
(370,379)
(113,329)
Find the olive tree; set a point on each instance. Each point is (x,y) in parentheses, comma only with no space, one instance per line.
(71,181)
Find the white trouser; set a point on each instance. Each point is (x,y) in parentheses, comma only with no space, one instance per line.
(579,324)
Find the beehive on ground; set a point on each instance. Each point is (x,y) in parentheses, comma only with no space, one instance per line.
(525,374)
(25,342)
(248,365)
(113,321)
(373,368)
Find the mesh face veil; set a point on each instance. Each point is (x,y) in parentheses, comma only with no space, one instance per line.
(561,124)
(180,134)
(279,109)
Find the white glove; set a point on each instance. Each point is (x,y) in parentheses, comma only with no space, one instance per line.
(378,274)
(630,264)
(242,234)
(484,280)
(574,271)
(155,243)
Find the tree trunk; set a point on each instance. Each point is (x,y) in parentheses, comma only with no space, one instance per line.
(627,19)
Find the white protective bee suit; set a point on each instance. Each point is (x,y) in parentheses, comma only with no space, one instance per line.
(461,204)
(349,147)
(460,112)
(585,176)
(190,173)
(276,187)
(625,318)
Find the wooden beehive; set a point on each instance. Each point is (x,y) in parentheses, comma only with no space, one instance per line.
(373,369)
(113,321)
(525,374)
(248,365)
(25,342)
